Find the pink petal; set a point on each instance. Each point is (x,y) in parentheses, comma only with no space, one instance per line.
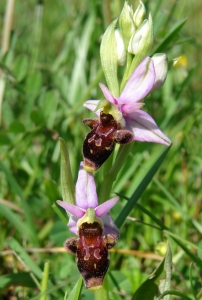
(86,195)
(140,83)
(105,207)
(145,128)
(91,105)
(107,94)
(72,209)
(127,108)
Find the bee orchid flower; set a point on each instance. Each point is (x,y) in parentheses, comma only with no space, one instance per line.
(96,230)
(132,123)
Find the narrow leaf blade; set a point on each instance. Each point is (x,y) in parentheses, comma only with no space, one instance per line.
(140,189)
(66,175)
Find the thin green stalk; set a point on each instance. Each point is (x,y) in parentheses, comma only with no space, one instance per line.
(102,294)
(125,76)
(44,283)
(110,177)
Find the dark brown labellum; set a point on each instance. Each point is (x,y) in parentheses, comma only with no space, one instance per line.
(91,249)
(99,143)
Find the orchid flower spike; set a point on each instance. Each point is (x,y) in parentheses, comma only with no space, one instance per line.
(125,111)
(96,230)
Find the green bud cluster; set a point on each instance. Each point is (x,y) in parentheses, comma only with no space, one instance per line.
(126,42)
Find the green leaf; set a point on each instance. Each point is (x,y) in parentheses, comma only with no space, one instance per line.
(76,291)
(140,189)
(37,116)
(21,67)
(16,127)
(4,140)
(165,283)
(33,84)
(148,288)
(49,105)
(67,183)
(109,58)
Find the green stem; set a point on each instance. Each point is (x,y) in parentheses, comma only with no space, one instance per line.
(125,75)
(102,294)
(111,175)
(44,283)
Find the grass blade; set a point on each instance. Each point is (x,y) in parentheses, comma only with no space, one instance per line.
(75,293)
(140,189)
(170,36)
(25,258)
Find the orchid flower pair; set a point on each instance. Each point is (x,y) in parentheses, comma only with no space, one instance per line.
(120,120)
(95,227)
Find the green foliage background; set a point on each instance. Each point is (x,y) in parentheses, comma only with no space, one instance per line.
(52,67)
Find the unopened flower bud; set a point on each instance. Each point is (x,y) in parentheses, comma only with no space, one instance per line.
(142,40)
(126,24)
(121,51)
(139,14)
(161,69)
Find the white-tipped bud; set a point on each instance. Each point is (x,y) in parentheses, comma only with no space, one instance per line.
(126,24)
(161,69)
(139,14)
(120,48)
(142,40)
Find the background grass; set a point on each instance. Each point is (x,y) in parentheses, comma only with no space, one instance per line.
(51,67)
